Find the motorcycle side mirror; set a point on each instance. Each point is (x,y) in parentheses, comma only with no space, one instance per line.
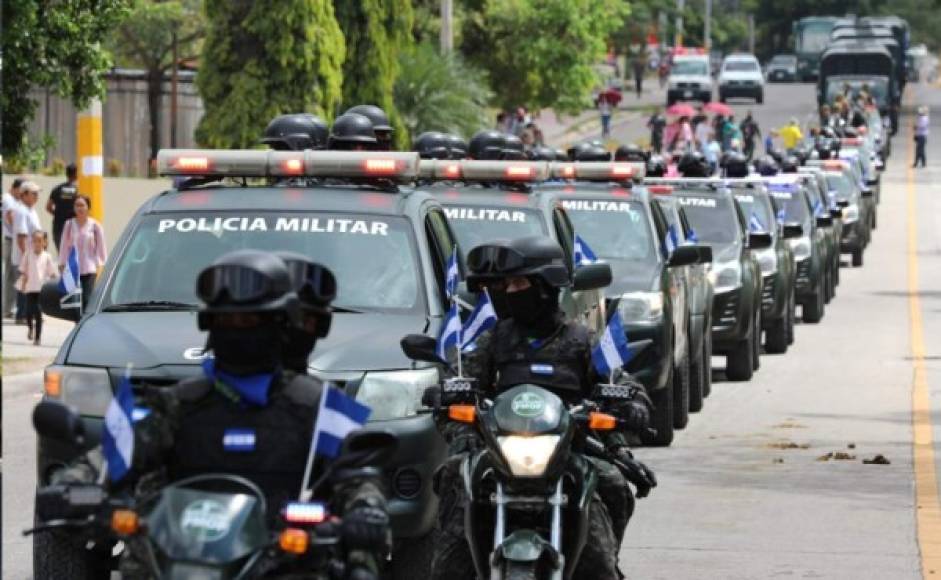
(791,231)
(592,277)
(824,221)
(56,421)
(369,448)
(684,256)
(836,213)
(49,297)
(759,241)
(420,347)
(843,203)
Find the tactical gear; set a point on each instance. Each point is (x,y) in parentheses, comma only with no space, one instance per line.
(767,166)
(643,478)
(513,148)
(790,164)
(693,164)
(734,165)
(352,131)
(592,153)
(486,144)
(432,145)
(542,153)
(575,150)
(296,132)
(380,124)
(366,528)
(537,257)
(456,146)
(630,152)
(656,166)
(316,288)
(561,155)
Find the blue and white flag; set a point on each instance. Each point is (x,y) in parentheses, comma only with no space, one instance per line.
(481,319)
(337,417)
(692,237)
(818,207)
(612,351)
(755,225)
(452,275)
(117,437)
(671,240)
(583,254)
(70,284)
(782,215)
(450,332)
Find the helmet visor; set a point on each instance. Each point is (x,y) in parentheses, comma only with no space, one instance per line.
(494,260)
(240,284)
(313,283)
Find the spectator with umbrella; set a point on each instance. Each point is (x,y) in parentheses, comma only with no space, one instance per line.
(606,101)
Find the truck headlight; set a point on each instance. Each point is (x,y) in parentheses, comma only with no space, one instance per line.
(641,307)
(87,389)
(767,260)
(850,213)
(801,248)
(528,456)
(727,277)
(395,394)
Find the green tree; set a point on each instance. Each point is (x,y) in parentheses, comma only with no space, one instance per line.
(262,59)
(440,93)
(146,40)
(376,32)
(540,53)
(52,45)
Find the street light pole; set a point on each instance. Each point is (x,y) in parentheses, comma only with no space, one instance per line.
(707,24)
(447,26)
(678,40)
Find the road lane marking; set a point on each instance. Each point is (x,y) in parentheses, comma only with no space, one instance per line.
(927,504)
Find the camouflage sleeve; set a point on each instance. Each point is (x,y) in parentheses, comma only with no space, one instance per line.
(366,491)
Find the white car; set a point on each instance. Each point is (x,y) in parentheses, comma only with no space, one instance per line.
(741,76)
(689,79)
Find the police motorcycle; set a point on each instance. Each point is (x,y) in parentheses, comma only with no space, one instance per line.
(205,527)
(529,489)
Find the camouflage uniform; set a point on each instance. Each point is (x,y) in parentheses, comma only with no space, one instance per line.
(503,358)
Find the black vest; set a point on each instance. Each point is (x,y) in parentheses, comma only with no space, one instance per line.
(560,362)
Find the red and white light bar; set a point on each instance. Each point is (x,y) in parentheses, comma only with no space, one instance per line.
(598,171)
(851,141)
(258,163)
(477,170)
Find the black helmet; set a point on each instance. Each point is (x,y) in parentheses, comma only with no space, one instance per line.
(777,155)
(351,131)
(767,166)
(849,131)
(432,145)
(693,164)
(513,147)
(538,257)
(561,155)
(574,151)
(486,144)
(380,123)
(734,165)
(656,166)
(592,153)
(542,153)
(630,152)
(315,286)
(296,132)
(790,164)
(246,281)
(457,146)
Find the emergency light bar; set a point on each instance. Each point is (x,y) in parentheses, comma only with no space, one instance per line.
(479,170)
(258,163)
(851,141)
(660,189)
(598,171)
(305,512)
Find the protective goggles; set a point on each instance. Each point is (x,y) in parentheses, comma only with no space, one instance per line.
(494,260)
(314,284)
(239,284)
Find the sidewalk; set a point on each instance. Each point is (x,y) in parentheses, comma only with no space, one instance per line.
(21,356)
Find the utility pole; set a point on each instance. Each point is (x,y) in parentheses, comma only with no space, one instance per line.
(447,26)
(678,39)
(751,33)
(707,25)
(174,86)
(90,157)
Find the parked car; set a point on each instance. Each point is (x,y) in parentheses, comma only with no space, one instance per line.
(741,77)
(782,68)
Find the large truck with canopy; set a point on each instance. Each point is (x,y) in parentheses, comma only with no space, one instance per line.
(852,65)
(876,35)
(811,37)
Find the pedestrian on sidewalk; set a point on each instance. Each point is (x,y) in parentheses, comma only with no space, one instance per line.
(36,268)
(656,124)
(639,63)
(921,135)
(11,199)
(88,238)
(61,202)
(25,222)
(605,110)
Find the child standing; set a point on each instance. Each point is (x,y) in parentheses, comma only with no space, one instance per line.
(37,268)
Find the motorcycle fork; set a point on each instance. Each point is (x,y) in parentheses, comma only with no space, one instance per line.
(556,500)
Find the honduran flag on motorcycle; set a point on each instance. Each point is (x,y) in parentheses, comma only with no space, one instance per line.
(612,351)
(338,416)
(117,438)
(583,253)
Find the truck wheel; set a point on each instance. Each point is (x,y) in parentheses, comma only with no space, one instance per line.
(813,308)
(828,285)
(739,365)
(662,416)
(412,557)
(874,219)
(707,361)
(697,378)
(776,337)
(681,394)
(721,98)
(760,99)
(857,258)
(756,363)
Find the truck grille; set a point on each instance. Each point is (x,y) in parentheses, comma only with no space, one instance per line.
(694,86)
(724,309)
(767,291)
(803,272)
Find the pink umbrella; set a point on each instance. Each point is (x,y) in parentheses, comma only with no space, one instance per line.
(610,94)
(681,110)
(718,108)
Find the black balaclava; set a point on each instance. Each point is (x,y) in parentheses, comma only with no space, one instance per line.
(247,351)
(534,309)
(300,344)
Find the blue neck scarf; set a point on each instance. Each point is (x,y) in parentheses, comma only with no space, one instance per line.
(251,389)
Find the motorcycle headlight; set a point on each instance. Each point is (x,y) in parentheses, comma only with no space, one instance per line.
(768,261)
(801,248)
(850,213)
(86,389)
(528,456)
(727,277)
(641,307)
(395,394)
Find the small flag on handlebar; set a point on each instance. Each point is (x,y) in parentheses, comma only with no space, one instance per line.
(583,254)
(117,438)
(338,416)
(612,351)
(481,319)
(450,332)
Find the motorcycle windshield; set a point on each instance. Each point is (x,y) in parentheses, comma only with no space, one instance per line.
(528,410)
(206,527)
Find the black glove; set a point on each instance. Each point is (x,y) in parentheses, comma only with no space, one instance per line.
(635,472)
(366,528)
(635,414)
(360,573)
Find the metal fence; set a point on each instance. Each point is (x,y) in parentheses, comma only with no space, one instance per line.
(125,120)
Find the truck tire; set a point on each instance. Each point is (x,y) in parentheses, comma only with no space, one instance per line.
(791,316)
(697,378)
(681,393)
(707,361)
(662,416)
(828,284)
(412,557)
(739,365)
(776,335)
(756,343)
(760,99)
(813,308)
(857,258)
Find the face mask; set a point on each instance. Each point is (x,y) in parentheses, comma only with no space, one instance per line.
(298,348)
(527,306)
(501,307)
(247,351)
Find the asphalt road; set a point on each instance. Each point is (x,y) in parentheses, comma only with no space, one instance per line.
(735,500)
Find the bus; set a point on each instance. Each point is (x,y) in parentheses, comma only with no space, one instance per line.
(811,37)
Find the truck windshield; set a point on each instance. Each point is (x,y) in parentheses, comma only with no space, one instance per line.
(741,66)
(613,229)
(878,87)
(373,257)
(713,218)
(757,209)
(475,224)
(814,37)
(792,203)
(690,67)
(841,188)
